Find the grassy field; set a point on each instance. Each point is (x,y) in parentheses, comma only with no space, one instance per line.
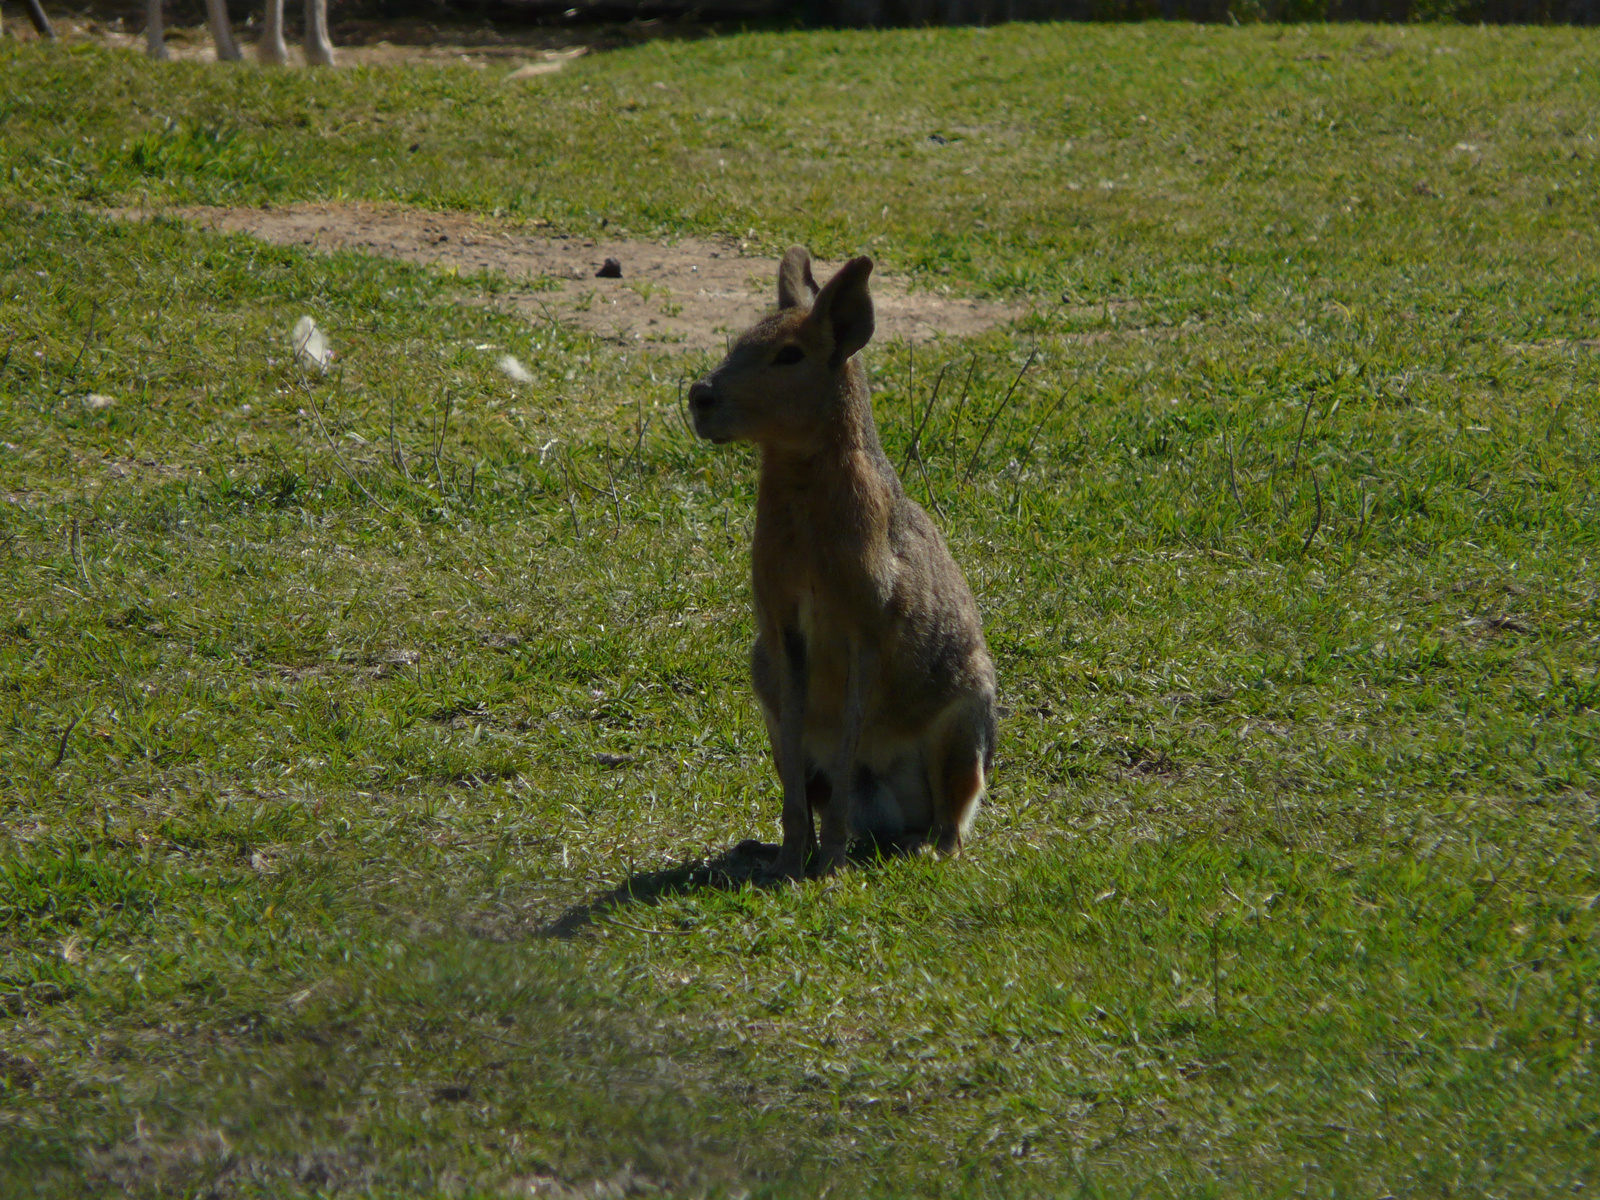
(328,702)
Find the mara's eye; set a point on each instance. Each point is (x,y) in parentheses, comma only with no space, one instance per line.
(788,356)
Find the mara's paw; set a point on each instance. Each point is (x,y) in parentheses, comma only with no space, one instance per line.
(830,858)
(790,865)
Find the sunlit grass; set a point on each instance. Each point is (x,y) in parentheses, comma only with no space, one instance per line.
(323,696)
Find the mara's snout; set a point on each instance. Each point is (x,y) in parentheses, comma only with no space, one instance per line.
(705,412)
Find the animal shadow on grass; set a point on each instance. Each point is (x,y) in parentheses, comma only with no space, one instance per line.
(750,863)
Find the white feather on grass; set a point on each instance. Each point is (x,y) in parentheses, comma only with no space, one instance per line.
(511,367)
(311,348)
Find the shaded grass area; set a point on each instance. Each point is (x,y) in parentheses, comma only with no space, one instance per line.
(323,697)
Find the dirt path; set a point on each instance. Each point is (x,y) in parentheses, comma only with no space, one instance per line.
(688,294)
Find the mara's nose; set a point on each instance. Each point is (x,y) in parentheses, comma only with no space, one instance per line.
(701,396)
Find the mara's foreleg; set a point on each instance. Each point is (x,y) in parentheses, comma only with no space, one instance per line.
(319,49)
(155,39)
(272,48)
(839,818)
(41,23)
(222,31)
(155,36)
(958,753)
(792,697)
(769,673)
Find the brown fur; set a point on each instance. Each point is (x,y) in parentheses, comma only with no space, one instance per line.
(869,660)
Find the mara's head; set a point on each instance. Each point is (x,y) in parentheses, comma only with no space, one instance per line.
(785,379)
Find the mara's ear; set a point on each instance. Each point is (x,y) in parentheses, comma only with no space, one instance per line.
(843,309)
(796,287)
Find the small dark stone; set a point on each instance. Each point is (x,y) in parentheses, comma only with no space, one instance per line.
(316,1174)
(415,146)
(20,1071)
(611,270)
(452,1091)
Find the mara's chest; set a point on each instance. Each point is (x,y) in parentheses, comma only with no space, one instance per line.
(806,563)
(820,558)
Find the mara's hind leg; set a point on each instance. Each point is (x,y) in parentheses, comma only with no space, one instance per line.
(958,768)
(962,788)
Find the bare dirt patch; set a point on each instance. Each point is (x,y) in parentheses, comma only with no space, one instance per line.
(688,294)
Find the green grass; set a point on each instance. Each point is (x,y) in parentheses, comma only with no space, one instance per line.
(318,707)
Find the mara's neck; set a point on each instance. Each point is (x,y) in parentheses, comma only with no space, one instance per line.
(849,436)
